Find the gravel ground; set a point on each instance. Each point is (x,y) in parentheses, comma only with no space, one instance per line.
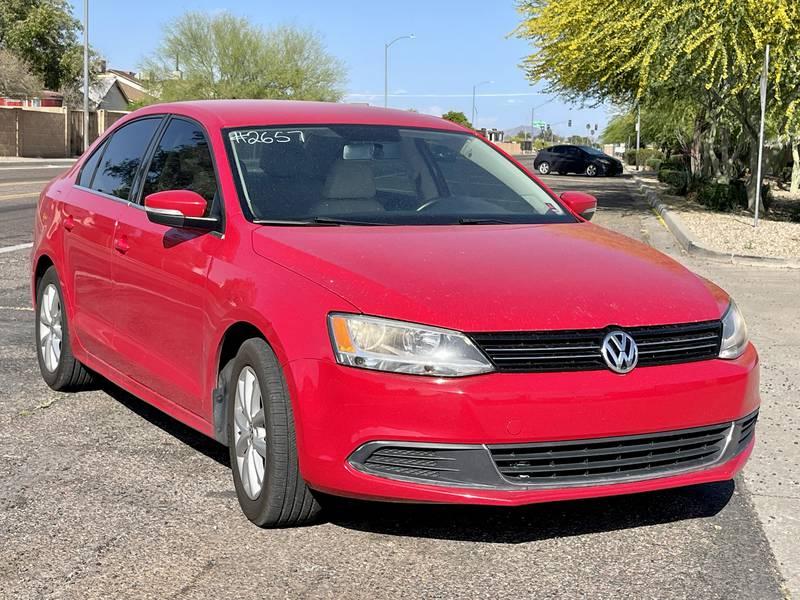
(732,233)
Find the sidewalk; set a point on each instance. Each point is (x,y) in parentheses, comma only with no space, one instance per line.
(727,237)
(21,161)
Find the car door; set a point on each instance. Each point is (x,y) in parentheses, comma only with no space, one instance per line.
(90,214)
(160,273)
(559,159)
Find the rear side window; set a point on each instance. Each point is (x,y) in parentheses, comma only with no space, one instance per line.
(88,169)
(123,156)
(182,161)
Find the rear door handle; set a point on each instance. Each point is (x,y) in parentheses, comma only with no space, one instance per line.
(69,223)
(121,244)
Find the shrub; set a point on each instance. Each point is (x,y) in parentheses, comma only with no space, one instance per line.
(653,163)
(644,155)
(676,162)
(723,196)
(678,181)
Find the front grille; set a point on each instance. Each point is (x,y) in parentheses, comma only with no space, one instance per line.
(579,350)
(587,461)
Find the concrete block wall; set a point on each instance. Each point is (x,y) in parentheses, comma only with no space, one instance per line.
(8,131)
(43,133)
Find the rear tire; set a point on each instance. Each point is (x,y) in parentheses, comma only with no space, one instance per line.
(262,446)
(59,368)
(544,168)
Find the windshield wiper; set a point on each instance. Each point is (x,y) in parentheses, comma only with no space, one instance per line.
(286,222)
(337,221)
(464,221)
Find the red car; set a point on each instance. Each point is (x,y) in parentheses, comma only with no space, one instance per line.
(382,305)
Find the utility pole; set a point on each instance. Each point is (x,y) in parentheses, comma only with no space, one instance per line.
(85,75)
(761,133)
(475,87)
(386,66)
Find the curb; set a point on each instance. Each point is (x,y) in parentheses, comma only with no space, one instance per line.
(690,244)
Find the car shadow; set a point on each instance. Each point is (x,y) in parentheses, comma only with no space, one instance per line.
(487,524)
(183,433)
(530,523)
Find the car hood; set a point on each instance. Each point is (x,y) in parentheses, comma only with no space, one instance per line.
(495,277)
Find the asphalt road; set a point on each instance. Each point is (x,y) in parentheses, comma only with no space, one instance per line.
(103,496)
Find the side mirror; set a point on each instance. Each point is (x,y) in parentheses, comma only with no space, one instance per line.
(584,205)
(179,208)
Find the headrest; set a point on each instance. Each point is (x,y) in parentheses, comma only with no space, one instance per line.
(350,179)
(283,160)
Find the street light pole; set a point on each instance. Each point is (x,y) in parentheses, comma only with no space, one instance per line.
(474,88)
(386,66)
(638,133)
(85,75)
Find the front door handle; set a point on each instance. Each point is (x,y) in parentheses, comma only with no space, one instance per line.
(69,223)
(121,244)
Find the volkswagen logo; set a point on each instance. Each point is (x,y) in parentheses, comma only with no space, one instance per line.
(620,352)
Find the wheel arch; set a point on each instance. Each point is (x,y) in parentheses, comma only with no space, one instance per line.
(43,262)
(235,335)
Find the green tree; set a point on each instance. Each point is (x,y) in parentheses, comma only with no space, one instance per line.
(457,117)
(707,54)
(16,78)
(44,34)
(223,56)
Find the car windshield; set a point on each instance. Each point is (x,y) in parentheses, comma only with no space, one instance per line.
(593,151)
(381,175)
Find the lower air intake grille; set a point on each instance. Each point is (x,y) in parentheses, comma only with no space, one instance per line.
(629,457)
(410,462)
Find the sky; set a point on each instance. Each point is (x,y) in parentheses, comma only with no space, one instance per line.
(457,44)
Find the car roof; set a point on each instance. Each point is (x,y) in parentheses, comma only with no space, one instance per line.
(244,113)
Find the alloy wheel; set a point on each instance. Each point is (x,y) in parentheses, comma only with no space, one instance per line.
(50,328)
(591,170)
(250,433)
(544,168)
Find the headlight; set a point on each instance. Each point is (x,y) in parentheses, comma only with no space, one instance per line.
(734,333)
(386,345)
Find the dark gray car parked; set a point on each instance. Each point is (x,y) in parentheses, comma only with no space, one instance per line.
(568,158)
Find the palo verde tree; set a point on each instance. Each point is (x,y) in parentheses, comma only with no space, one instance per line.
(707,54)
(223,56)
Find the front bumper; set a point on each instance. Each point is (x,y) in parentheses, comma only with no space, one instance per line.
(340,411)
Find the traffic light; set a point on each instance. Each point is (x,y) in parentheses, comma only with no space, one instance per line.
(569,123)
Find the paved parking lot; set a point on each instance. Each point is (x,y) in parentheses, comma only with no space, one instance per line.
(102,496)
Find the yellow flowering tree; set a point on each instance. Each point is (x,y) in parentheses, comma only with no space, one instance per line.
(707,53)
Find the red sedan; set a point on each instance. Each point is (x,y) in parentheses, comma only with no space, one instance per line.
(382,305)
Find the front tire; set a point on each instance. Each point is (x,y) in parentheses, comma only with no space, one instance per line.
(544,168)
(261,437)
(60,369)
(591,170)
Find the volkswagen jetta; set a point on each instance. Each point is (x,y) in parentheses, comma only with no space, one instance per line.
(382,305)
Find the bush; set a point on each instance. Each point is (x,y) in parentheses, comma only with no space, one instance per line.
(676,162)
(678,181)
(653,163)
(723,196)
(644,155)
